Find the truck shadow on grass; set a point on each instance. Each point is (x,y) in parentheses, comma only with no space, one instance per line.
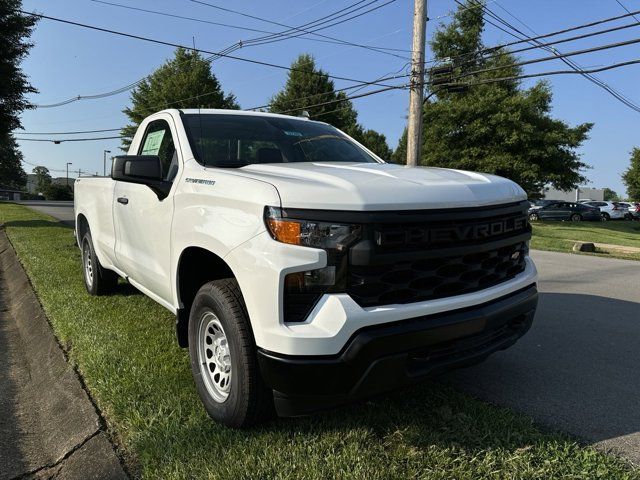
(575,372)
(37,224)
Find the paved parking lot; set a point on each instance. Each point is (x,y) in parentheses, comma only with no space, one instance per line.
(577,369)
(61,210)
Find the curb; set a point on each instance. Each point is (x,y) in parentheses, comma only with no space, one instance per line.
(52,428)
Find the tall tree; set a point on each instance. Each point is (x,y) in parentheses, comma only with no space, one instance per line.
(610,195)
(185,81)
(15,30)
(498,127)
(43,179)
(631,177)
(307,86)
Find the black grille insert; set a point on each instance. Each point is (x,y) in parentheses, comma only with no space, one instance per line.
(416,281)
(442,256)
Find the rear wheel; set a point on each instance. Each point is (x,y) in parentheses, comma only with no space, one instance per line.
(606,217)
(97,279)
(224,363)
(576,217)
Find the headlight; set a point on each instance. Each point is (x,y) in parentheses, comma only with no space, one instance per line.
(310,233)
(303,289)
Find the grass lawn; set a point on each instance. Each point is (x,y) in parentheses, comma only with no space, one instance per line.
(124,347)
(561,236)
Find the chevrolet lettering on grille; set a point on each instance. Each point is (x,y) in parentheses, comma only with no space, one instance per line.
(475,231)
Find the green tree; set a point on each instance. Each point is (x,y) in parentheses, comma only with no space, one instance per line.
(185,81)
(631,177)
(15,30)
(374,141)
(610,195)
(496,127)
(310,89)
(43,179)
(56,191)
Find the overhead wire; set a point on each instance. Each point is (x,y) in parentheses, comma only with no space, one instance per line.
(537,44)
(241,43)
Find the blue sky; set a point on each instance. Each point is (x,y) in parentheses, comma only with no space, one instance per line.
(67,61)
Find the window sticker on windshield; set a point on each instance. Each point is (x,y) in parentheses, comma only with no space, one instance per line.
(152,143)
(293,134)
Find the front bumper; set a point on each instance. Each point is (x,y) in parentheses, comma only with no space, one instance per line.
(392,355)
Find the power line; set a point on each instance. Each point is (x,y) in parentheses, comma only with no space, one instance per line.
(70,133)
(553,57)
(339,100)
(400,87)
(330,102)
(66,139)
(241,43)
(306,28)
(626,9)
(543,36)
(536,43)
(155,108)
(571,63)
(177,45)
(545,74)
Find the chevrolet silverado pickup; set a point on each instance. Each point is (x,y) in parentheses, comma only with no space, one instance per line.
(303,270)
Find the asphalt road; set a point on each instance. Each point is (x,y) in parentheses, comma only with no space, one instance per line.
(578,368)
(61,210)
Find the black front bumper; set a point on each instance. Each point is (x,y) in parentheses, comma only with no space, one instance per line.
(386,357)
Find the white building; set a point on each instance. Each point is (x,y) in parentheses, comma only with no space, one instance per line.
(580,193)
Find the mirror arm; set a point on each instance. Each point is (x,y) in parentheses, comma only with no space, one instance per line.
(160,188)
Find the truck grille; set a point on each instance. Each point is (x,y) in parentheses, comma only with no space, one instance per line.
(415,281)
(443,254)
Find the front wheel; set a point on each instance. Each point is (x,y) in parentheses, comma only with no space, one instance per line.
(606,217)
(97,279)
(533,217)
(576,217)
(224,364)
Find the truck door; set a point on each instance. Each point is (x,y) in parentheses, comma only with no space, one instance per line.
(142,221)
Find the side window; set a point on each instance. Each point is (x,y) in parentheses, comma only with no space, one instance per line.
(158,141)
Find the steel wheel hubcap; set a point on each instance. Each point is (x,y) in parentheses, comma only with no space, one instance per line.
(88,266)
(214,357)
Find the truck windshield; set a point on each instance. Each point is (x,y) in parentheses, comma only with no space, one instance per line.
(238,140)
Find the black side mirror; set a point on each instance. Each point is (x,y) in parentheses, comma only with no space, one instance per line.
(141,169)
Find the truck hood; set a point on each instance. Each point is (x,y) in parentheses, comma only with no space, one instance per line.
(382,186)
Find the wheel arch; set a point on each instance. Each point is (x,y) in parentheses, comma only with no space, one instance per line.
(196,266)
(82,227)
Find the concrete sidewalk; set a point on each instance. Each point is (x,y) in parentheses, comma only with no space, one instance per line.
(49,427)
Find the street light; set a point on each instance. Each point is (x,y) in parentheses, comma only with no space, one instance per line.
(104,162)
(68,163)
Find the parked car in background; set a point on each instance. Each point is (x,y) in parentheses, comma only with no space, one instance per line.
(609,210)
(633,210)
(572,211)
(536,204)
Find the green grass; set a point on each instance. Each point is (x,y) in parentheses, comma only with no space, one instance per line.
(124,347)
(558,236)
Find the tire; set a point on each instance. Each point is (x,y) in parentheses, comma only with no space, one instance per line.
(97,279)
(606,217)
(533,217)
(227,376)
(576,217)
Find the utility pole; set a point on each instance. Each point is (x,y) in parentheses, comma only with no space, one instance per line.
(104,162)
(68,163)
(416,93)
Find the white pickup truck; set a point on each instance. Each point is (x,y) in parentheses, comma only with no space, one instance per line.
(304,271)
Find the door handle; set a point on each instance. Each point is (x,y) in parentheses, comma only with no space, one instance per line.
(123,200)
